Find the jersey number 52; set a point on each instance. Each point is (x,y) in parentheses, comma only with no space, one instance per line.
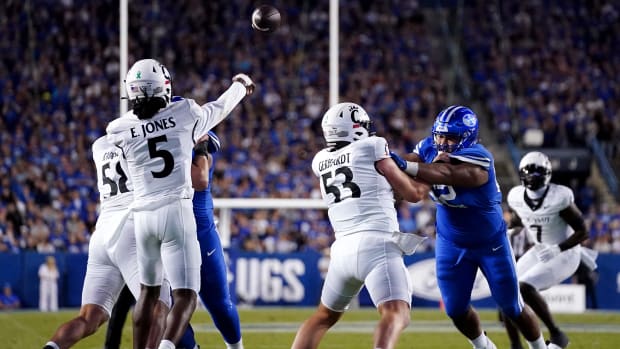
(122,179)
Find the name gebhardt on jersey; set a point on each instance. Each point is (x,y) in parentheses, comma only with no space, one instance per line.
(340,160)
(154,126)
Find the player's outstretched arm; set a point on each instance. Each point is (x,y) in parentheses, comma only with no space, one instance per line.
(443,171)
(219,109)
(406,187)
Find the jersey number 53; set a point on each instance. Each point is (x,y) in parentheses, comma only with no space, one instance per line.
(336,181)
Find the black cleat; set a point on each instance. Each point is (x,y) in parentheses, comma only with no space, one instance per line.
(560,339)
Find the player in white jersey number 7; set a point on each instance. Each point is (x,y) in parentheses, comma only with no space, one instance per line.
(557,227)
(157,137)
(358,179)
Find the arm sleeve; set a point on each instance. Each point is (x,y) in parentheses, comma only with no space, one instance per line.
(473,156)
(113,133)
(381,149)
(212,113)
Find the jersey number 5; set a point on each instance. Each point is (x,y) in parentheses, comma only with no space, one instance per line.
(161,153)
(336,186)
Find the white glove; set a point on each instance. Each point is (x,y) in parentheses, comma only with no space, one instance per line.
(546,252)
(408,242)
(246,81)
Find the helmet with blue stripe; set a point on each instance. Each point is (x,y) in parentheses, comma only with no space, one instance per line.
(458,123)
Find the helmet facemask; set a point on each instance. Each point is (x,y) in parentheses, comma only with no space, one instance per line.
(535,170)
(534,177)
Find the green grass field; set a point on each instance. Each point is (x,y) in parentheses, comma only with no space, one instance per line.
(274,328)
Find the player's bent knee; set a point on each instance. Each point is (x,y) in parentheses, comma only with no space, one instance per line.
(397,311)
(512,311)
(455,312)
(327,315)
(92,316)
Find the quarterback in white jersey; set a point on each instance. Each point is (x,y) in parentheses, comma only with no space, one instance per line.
(157,137)
(112,259)
(557,228)
(357,177)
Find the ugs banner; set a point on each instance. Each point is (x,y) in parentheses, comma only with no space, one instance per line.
(295,279)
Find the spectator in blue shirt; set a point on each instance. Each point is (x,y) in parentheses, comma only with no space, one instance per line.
(8,300)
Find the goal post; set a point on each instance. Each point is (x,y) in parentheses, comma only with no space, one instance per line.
(225,207)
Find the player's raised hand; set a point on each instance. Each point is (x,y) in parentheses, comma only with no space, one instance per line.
(246,81)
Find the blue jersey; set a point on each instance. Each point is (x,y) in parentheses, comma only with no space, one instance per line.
(469,217)
(203,209)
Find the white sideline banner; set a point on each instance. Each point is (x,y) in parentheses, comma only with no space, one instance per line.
(566,298)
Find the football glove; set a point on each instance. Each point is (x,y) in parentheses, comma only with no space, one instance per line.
(245,81)
(400,162)
(547,252)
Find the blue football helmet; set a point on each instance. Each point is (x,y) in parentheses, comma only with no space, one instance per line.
(458,123)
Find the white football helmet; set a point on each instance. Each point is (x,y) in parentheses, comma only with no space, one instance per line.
(148,78)
(535,170)
(346,122)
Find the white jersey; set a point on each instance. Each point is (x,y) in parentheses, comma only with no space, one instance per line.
(544,224)
(159,150)
(358,197)
(115,188)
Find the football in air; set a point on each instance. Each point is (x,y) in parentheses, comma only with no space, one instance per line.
(266,18)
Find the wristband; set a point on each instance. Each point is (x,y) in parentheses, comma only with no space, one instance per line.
(412,168)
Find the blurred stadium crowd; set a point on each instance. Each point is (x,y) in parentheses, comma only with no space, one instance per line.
(555,71)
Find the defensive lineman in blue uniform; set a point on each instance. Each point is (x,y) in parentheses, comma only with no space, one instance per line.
(471,232)
(214,290)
